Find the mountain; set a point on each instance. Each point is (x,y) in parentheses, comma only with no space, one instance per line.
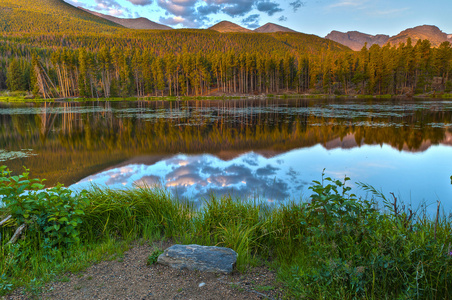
(425,32)
(49,16)
(356,40)
(226,26)
(271,27)
(137,23)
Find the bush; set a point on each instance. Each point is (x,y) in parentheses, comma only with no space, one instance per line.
(54,214)
(351,250)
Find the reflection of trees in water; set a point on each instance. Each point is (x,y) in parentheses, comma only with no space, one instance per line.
(74,138)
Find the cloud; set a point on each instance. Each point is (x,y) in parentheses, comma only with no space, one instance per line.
(197,12)
(349,4)
(140,2)
(232,8)
(109,7)
(185,22)
(268,7)
(297,4)
(180,8)
(282,19)
(115,12)
(387,12)
(251,21)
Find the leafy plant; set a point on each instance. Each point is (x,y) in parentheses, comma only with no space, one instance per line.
(54,213)
(5,285)
(152,259)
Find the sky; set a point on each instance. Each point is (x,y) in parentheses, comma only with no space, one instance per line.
(317,17)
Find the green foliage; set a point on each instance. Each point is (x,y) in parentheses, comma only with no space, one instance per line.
(54,213)
(334,246)
(152,259)
(353,251)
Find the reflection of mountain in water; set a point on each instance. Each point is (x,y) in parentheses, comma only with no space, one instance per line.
(74,140)
(349,142)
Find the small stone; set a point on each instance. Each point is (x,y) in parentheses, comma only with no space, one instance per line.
(202,284)
(201,258)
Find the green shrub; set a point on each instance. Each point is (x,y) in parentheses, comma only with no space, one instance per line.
(54,214)
(350,250)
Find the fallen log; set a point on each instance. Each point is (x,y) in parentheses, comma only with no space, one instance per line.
(5,220)
(17,234)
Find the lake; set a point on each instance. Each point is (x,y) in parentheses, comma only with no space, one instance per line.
(266,149)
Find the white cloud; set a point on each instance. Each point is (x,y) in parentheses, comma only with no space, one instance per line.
(349,4)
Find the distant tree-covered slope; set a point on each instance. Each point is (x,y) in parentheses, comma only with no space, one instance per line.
(182,41)
(49,16)
(307,42)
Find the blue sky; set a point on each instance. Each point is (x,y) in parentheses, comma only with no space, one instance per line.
(309,16)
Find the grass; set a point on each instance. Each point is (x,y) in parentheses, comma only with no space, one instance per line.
(333,246)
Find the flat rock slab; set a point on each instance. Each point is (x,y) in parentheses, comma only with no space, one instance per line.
(201,258)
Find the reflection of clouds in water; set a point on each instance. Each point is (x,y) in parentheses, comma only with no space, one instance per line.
(186,180)
(251,159)
(197,177)
(267,171)
(148,181)
(179,172)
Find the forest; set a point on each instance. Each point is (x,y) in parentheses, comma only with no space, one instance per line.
(63,66)
(52,49)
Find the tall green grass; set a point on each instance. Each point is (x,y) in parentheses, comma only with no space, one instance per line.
(333,246)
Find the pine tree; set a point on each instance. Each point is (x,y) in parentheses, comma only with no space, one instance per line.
(14,78)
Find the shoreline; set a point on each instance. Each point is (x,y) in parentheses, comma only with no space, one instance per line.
(21,99)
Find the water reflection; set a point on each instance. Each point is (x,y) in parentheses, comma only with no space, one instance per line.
(288,176)
(196,177)
(72,141)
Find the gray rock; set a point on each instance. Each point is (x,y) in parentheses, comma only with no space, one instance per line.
(202,258)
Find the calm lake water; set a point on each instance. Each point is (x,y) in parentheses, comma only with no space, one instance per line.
(265,149)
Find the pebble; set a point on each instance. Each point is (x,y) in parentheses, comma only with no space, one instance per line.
(202,284)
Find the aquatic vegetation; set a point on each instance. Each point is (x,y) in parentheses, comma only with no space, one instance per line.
(9,155)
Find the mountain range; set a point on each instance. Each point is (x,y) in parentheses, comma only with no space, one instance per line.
(356,40)
(58,16)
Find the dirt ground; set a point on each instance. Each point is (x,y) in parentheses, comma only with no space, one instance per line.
(129,277)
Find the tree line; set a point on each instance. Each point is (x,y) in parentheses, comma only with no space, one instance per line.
(61,72)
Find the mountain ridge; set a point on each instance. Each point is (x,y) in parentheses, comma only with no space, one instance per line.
(356,40)
(272,27)
(131,23)
(226,26)
(424,32)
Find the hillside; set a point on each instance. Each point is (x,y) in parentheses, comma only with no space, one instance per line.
(307,42)
(425,32)
(137,23)
(271,27)
(226,26)
(356,40)
(49,16)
